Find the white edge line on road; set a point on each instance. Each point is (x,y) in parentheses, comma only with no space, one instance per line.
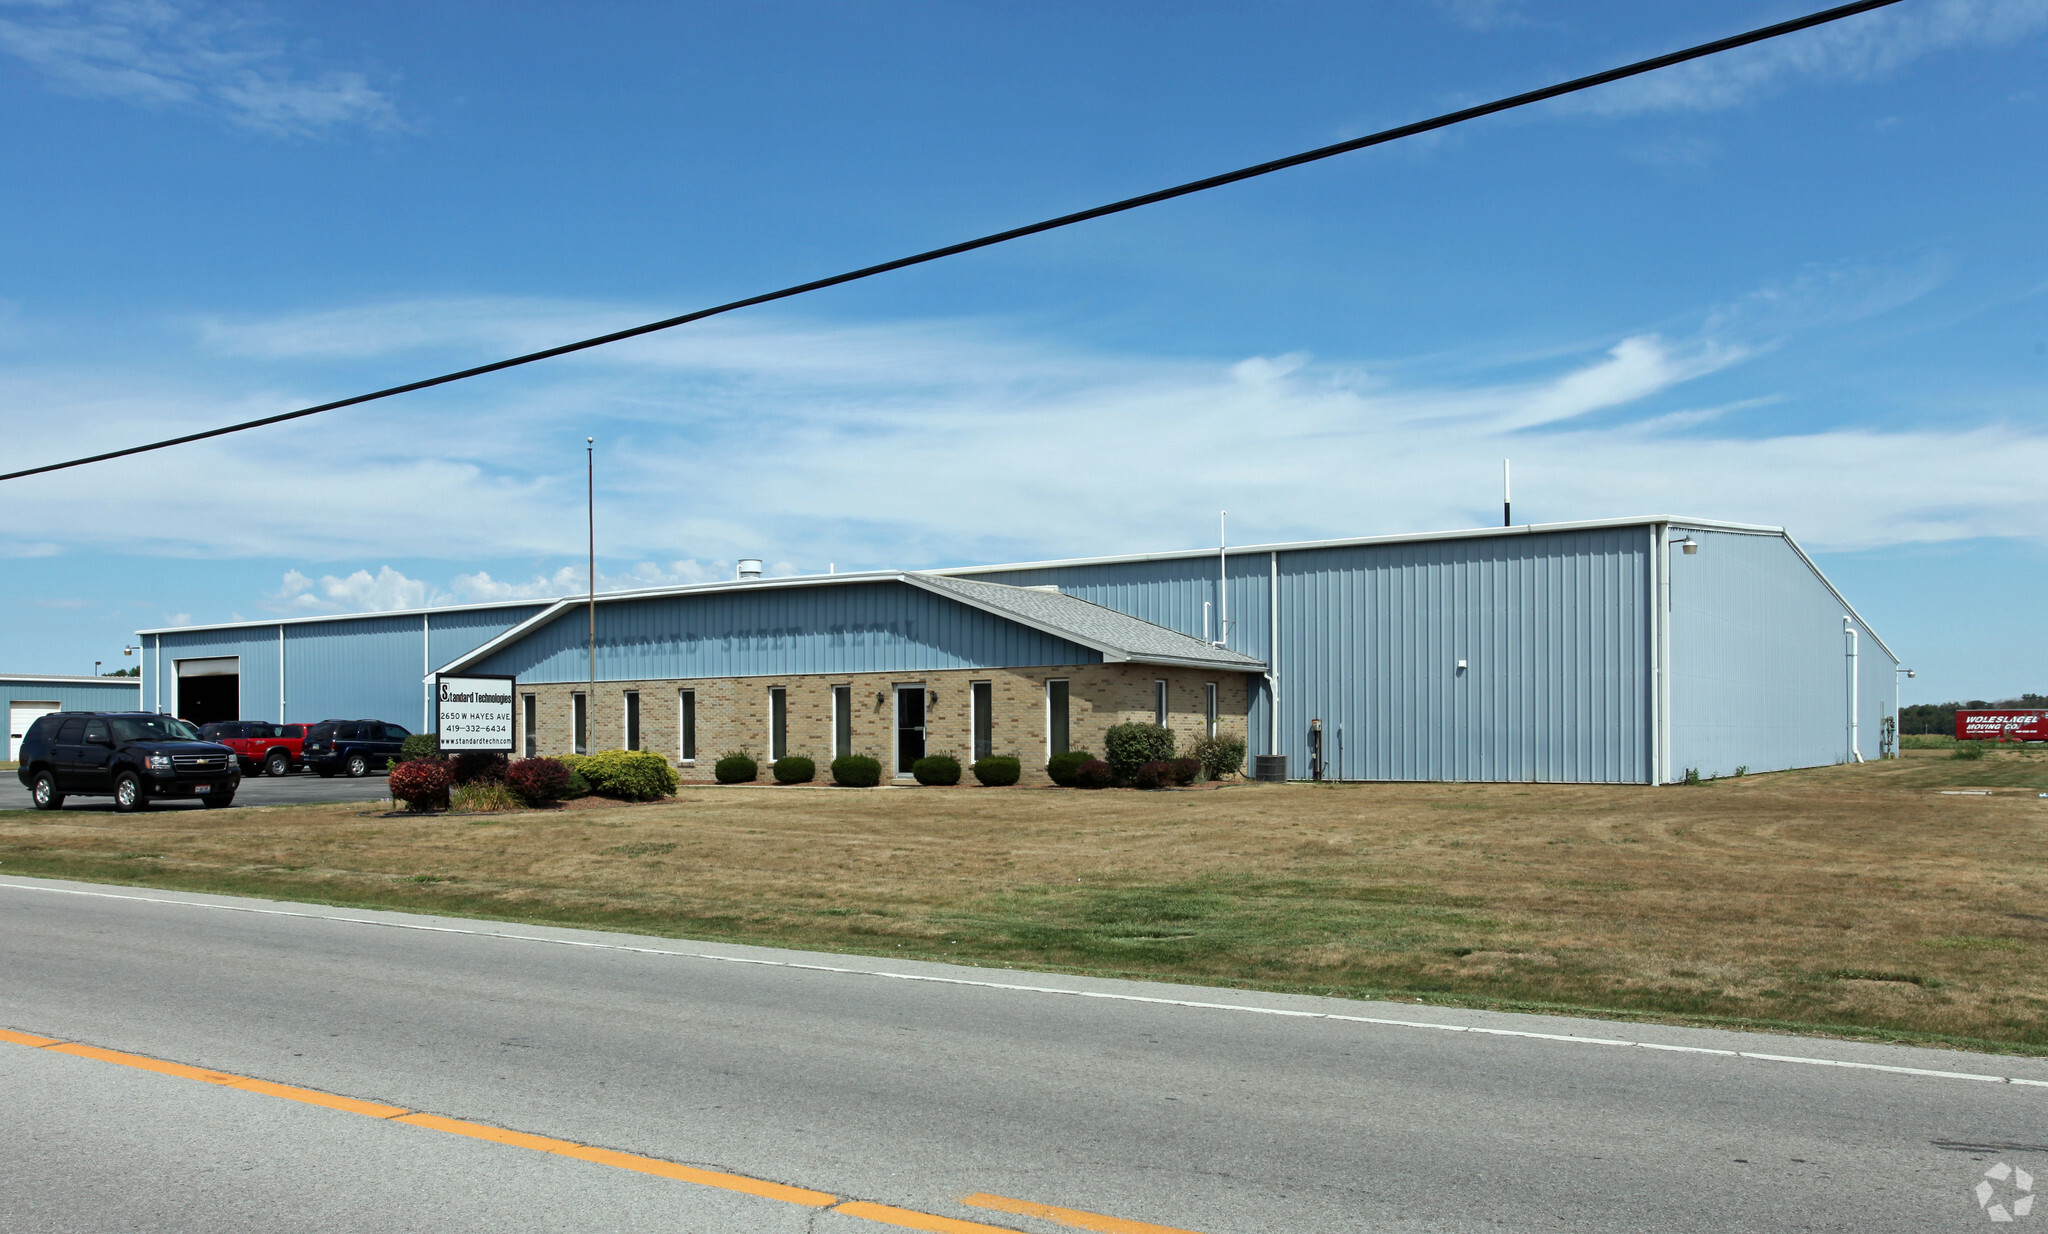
(1032,989)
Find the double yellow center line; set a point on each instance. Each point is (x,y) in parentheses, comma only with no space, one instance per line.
(905,1218)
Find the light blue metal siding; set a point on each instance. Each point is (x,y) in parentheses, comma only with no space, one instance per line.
(361,668)
(1553,629)
(256,646)
(1171,593)
(456,634)
(108,694)
(849,628)
(349,668)
(1759,663)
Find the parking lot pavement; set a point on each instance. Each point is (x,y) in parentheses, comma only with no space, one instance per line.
(297,789)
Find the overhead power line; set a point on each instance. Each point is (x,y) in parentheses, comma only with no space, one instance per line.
(1758,35)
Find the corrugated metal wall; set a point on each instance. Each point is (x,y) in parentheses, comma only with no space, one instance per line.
(348,668)
(1554,628)
(1759,665)
(846,628)
(106,694)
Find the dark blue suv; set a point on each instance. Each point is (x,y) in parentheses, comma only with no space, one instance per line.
(131,756)
(351,747)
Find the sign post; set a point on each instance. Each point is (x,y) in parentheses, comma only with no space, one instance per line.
(474,714)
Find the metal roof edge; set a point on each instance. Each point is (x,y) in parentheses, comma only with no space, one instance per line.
(513,634)
(557,607)
(1475,533)
(1222,666)
(64,679)
(300,621)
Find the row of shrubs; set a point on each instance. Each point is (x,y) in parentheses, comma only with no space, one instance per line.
(1138,755)
(860,771)
(475,782)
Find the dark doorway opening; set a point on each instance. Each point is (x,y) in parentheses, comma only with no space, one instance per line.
(210,699)
(909,727)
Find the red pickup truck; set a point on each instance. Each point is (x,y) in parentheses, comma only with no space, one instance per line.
(262,749)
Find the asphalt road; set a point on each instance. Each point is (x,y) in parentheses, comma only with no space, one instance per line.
(912,1085)
(297,789)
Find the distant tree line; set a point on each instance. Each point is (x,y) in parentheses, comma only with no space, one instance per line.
(125,672)
(1941,717)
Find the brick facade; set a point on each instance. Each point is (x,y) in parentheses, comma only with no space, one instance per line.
(732,713)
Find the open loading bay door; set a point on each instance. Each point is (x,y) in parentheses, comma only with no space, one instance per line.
(210,691)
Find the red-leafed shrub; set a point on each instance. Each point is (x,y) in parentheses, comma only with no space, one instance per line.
(1156,774)
(422,784)
(1187,770)
(474,767)
(1094,774)
(538,780)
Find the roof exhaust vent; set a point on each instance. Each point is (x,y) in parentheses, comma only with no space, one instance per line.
(750,567)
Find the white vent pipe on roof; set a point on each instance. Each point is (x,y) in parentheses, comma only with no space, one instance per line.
(750,567)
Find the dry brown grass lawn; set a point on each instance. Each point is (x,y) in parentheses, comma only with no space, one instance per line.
(1847,899)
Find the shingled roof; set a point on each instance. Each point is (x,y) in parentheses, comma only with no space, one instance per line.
(1120,637)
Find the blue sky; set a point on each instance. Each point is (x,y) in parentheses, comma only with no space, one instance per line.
(1803,284)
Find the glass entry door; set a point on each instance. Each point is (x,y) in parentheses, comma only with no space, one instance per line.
(909,727)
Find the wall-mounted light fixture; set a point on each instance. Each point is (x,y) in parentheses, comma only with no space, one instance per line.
(881,698)
(1688,546)
(931,698)
(1461,666)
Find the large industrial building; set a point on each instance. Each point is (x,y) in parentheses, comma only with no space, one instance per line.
(1626,651)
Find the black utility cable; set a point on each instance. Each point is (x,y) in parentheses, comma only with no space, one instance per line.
(1065,220)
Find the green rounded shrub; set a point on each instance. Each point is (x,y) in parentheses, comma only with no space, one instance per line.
(936,770)
(794,770)
(1061,767)
(1127,747)
(576,787)
(419,745)
(998,770)
(736,769)
(856,771)
(1969,751)
(1221,756)
(1094,774)
(629,775)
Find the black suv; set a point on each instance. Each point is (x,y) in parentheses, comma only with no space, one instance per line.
(131,756)
(357,747)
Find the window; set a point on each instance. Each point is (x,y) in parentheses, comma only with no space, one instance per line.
(530,712)
(1209,708)
(778,723)
(1055,718)
(579,721)
(96,733)
(686,724)
(393,732)
(842,721)
(632,719)
(981,697)
(1159,703)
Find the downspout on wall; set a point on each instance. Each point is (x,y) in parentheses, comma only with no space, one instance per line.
(1855,688)
(1273,655)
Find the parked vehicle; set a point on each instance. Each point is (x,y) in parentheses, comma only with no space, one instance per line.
(352,747)
(264,749)
(132,756)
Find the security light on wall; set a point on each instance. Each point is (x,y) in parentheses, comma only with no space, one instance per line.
(1688,546)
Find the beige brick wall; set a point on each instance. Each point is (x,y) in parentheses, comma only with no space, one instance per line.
(732,712)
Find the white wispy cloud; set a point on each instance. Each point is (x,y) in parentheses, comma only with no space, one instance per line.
(164,53)
(1860,48)
(912,444)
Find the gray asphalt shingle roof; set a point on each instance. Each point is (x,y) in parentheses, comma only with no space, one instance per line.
(1119,636)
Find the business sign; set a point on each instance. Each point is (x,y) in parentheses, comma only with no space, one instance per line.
(2002,726)
(474,713)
